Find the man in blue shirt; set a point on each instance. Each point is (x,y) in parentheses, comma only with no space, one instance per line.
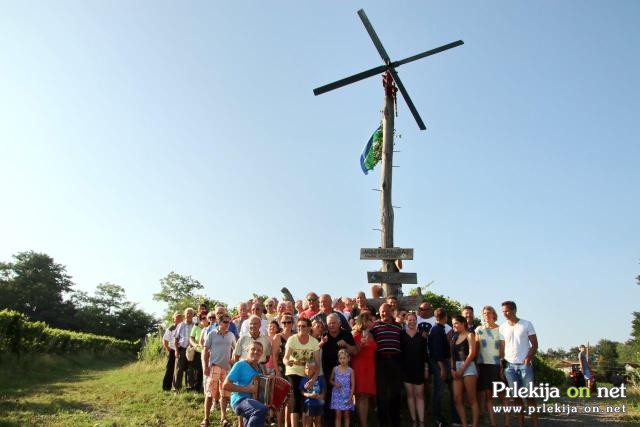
(239,382)
(439,355)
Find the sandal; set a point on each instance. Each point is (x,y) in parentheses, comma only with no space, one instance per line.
(204,423)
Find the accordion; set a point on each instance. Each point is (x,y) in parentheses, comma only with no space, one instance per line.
(272,391)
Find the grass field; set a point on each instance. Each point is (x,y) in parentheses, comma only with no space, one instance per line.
(55,391)
(84,391)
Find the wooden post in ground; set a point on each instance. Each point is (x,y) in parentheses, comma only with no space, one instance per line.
(386,208)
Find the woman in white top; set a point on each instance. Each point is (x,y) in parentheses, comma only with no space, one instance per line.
(488,345)
(300,349)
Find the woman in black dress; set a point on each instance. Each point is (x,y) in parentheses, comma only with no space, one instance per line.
(415,365)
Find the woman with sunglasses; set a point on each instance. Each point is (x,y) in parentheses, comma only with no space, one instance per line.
(416,368)
(299,349)
(278,350)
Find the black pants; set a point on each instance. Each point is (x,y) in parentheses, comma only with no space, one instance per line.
(196,365)
(329,415)
(389,386)
(167,381)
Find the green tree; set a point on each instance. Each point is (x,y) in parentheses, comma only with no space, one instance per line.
(607,357)
(133,323)
(635,326)
(179,292)
(108,312)
(110,297)
(452,307)
(36,285)
(630,350)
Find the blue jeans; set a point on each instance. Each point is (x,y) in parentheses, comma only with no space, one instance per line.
(438,393)
(519,374)
(253,412)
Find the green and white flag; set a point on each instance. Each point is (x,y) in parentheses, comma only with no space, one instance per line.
(372,152)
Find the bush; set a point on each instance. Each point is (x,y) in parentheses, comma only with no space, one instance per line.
(152,349)
(544,373)
(19,335)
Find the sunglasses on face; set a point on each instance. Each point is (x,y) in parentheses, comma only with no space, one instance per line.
(287,322)
(226,322)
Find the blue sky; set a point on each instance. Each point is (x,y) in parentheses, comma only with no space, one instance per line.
(143,137)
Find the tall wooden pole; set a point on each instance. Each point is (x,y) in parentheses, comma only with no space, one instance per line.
(386,208)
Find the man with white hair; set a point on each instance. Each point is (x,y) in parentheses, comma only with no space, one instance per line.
(182,334)
(335,339)
(243,314)
(272,313)
(243,345)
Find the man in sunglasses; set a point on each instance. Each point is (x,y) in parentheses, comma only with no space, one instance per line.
(218,348)
(314,306)
(426,320)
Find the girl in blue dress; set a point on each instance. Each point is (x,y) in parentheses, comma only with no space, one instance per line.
(344,382)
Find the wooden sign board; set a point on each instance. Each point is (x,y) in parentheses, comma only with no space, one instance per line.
(386,253)
(392,277)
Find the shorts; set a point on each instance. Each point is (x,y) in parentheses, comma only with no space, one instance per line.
(487,375)
(314,411)
(587,374)
(518,373)
(213,387)
(469,370)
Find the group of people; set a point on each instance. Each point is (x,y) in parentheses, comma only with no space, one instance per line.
(342,356)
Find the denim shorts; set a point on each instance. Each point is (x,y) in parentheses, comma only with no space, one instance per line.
(518,373)
(469,370)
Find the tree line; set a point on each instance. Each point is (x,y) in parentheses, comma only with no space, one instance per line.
(37,286)
(607,356)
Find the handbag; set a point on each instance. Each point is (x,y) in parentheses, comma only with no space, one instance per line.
(191,353)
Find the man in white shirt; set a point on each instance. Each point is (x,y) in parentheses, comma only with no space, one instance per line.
(181,342)
(169,344)
(518,345)
(425,315)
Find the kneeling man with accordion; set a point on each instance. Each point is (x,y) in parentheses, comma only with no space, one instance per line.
(240,383)
(252,393)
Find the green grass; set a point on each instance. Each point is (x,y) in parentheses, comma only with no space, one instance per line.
(84,391)
(631,402)
(56,391)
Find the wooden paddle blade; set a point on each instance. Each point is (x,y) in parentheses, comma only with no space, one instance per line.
(374,37)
